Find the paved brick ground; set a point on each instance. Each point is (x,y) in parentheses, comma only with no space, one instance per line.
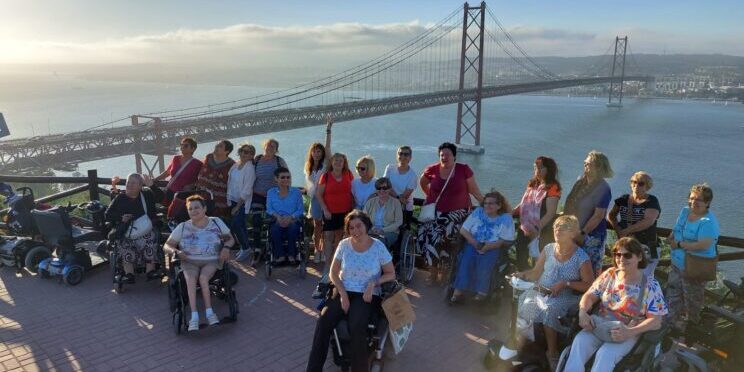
(46,325)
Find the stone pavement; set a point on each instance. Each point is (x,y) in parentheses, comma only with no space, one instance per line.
(48,326)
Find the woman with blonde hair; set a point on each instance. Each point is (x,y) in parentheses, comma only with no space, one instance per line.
(240,181)
(563,268)
(588,201)
(363,187)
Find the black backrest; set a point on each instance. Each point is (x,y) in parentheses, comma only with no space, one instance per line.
(54,226)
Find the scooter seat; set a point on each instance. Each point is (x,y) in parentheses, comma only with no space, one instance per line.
(84,235)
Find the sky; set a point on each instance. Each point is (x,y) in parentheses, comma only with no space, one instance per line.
(285,33)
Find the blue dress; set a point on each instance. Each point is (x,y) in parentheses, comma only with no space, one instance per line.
(553,273)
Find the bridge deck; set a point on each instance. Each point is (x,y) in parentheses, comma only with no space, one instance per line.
(107,143)
(46,325)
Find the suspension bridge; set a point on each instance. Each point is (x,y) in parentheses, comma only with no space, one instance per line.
(464,58)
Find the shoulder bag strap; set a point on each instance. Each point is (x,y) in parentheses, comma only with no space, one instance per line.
(178,173)
(144,204)
(454,168)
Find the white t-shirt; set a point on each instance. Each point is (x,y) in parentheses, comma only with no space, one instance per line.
(358,269)
(401,182)
(200,244)
(362,191)
(311,181)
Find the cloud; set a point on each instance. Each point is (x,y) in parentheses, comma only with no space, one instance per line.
(329,46)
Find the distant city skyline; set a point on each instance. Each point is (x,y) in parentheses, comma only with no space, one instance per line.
(259,34)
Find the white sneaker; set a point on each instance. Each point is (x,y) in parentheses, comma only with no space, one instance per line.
(194,324)
(212,319)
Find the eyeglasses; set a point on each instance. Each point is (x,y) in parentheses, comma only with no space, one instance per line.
(491,203)
(638,183)
(625,255)
(404,154)
(383,188)
(361,169)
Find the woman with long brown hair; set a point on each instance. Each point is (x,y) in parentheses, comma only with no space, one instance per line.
(317,162)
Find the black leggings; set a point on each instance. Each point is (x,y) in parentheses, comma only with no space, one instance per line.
(358,318)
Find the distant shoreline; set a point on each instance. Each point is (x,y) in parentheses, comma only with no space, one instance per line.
(547,94)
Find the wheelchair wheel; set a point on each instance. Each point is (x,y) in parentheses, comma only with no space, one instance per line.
(377,366)
(232,303)
(407,259)
(178,321)
(267,270)
(302,268)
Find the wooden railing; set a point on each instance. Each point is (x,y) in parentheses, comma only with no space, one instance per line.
(92,183)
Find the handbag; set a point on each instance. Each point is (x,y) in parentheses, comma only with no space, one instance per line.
(700,268)
(604,324)
(429,211)
(142,225)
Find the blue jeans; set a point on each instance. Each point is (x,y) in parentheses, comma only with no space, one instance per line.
(281,234)
(474,271)
(237,226)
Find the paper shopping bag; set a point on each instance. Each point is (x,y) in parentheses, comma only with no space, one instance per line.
(398,310)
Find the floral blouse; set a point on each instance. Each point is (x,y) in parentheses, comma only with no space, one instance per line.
(621,301)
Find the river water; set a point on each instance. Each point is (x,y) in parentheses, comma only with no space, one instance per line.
(678,142)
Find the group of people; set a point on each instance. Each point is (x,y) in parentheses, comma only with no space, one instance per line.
(356,220)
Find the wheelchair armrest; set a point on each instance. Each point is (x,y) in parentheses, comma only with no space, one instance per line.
(655,336)
(388,289)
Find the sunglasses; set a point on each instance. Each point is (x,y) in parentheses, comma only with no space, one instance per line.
(625,255)
(383,188)
(361,169)
(404,154)
(639,183)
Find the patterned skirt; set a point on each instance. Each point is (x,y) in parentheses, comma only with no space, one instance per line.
(432,233)
(141,250)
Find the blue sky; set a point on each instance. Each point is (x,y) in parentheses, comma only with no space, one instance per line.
(36,31)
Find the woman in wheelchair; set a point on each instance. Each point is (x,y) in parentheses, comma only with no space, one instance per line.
(562,267)
(284,204)
(385,211)
(126,208)
(486,231)
(625,295)
(360,264)
(202,244)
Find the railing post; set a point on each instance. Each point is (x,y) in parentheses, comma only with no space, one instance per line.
(93,184)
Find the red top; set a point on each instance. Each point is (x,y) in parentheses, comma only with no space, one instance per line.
(456,194)
(187,177)
(337,195)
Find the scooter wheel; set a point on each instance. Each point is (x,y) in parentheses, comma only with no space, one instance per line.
(74,276)
(36,255)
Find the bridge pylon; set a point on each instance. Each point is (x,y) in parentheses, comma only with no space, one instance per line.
(471,68)
(159,152)
(618,70)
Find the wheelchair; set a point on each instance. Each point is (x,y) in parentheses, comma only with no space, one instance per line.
(117,264)
(499,287)
(377,334)
(221,286)
(644,356)
(266,252)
